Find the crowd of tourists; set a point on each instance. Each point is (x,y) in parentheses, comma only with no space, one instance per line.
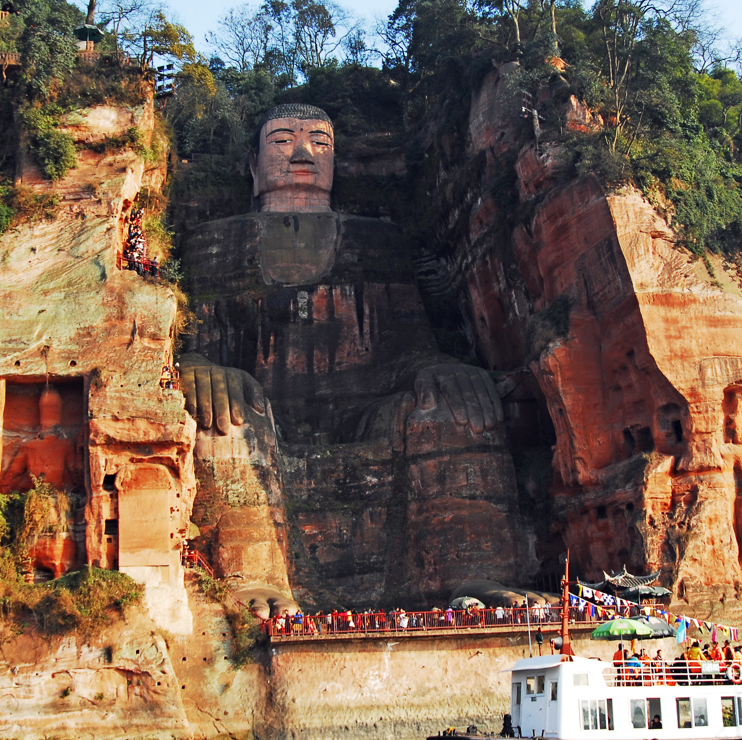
(400,619)
(635,667)
(135,248)
(170,377)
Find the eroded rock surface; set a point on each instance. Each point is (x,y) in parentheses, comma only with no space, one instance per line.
(101,335)
(634,345)
(118,685)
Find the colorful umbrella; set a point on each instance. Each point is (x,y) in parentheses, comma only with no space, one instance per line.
(659,627)
(619,629)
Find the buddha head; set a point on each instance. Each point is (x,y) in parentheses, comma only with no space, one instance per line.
(293,158)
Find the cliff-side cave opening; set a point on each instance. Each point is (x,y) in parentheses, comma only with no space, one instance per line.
(644,439)
(629,443)
(42,575)
(670,429)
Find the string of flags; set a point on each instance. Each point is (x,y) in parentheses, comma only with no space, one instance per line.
(607,605)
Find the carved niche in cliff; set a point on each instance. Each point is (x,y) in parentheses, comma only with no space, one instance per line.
(42,439)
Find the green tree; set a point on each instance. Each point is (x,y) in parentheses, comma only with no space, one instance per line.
(47,44)
(244,37)
(160,37)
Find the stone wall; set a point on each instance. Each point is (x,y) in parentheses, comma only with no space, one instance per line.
(400,687)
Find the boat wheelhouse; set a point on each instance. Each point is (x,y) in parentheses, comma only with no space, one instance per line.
(571,698)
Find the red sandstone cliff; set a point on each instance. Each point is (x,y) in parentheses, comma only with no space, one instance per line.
(99,335)
(636,350)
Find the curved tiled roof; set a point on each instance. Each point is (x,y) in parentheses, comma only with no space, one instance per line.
(623,580)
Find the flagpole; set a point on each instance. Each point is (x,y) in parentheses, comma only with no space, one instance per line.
(566,648)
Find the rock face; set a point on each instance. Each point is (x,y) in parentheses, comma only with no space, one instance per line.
(120,684)
(634,346)
(656,349)
(100,336)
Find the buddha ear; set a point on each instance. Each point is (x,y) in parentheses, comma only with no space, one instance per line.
(252,159)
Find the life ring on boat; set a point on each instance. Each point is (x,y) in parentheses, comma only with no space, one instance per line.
(734,673)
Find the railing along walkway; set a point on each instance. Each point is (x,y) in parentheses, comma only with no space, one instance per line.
(141,267)
(196,560)
(10,58)
(381,625)
(636,672)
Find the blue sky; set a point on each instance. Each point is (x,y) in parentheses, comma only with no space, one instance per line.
(198,20)
(200,17)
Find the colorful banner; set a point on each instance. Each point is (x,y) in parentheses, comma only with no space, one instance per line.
(623,608)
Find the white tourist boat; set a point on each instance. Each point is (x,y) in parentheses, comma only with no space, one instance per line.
(569,697)
(572,698)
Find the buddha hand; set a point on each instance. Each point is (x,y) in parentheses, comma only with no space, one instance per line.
(468,391)
(216,393)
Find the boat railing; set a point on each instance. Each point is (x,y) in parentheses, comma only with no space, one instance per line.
(678,673)
(419,621)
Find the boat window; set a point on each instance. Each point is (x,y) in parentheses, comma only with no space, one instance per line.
(700,714)
(585,709)
(739,709)
(540,684)
(638,713)
(654,714)
(729,711)
(554,685)
(531,685)
(580,679)
(602,717)
(684,715)
(516,694)
(597,714)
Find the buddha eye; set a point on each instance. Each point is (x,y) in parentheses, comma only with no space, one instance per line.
(280,141)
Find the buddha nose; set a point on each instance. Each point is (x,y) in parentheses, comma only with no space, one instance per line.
(301,154)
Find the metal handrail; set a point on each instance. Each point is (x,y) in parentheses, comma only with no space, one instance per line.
(681,672)
(10,57)
(128,263)
(342,623)
(196,559)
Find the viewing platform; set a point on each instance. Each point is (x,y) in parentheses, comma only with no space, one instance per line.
(381,626)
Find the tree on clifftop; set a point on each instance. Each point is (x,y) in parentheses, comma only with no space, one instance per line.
(47,44)
(285,39)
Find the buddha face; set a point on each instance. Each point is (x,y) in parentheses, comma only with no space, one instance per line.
(294,165)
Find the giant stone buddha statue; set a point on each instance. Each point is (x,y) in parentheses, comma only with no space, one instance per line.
(313,338)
